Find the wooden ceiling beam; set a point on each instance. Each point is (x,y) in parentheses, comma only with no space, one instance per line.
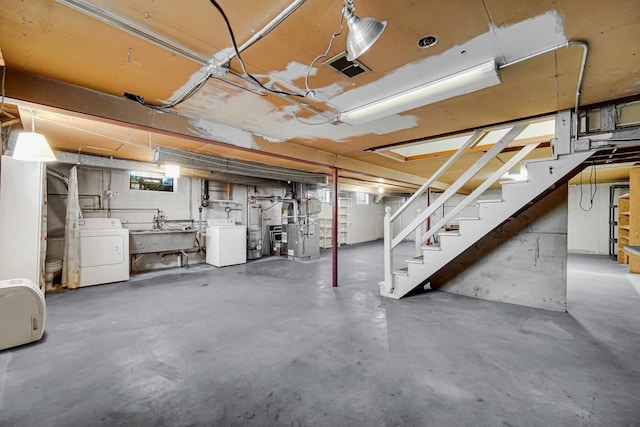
(64,98)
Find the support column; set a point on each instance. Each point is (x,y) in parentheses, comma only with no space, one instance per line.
(334,230)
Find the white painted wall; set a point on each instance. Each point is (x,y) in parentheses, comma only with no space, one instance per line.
(136,209)
(589,226)
(367,220)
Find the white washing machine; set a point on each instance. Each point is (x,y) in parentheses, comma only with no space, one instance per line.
(104,251)
(22,312)
(226,242)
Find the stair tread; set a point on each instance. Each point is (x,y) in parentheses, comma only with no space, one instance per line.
(416,260)
(542,160)
(468,218)
(514,181)
(402,272)
(490,201)
(449,233)
(431,248)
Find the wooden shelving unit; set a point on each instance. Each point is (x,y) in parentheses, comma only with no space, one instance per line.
(325,233)
(629,223)
(344,223)
(623,228)
(634,217)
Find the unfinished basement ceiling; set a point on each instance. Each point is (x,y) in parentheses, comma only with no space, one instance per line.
(231,116)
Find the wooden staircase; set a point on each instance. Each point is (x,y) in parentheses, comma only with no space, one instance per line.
(541,176)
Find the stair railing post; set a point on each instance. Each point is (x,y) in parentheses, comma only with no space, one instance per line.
(388,259)
(419,231)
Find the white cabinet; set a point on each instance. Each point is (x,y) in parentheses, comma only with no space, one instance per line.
(22,212)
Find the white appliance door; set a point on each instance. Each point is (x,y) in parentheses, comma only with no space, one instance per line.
(21,204)
(101,250)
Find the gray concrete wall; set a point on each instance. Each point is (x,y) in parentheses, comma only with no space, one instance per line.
(521,262)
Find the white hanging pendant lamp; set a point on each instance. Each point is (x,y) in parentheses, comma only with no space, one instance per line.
(32,146)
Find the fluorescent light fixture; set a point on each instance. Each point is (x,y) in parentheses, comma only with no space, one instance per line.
(172,171)
(467,81)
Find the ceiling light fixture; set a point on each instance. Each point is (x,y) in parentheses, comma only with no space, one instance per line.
(32,146)
(427,41)
(363,32)
(467,81)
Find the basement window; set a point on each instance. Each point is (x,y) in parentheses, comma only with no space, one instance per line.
(325,195)
(537,131)
(150,181)
(362,198)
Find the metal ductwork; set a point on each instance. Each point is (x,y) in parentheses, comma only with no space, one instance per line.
(234,167)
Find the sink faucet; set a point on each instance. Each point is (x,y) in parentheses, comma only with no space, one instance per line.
(158,220)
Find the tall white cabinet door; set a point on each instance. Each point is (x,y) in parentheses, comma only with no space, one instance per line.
(21,205)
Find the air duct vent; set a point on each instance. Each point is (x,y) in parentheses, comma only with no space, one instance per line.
(348,68)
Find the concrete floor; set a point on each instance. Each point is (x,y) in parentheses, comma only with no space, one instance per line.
(271,343)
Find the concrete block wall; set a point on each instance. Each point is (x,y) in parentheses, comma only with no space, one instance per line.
(523,262)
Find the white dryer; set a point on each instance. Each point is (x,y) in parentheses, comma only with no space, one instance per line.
(226,242)
(104,251)
(22,312)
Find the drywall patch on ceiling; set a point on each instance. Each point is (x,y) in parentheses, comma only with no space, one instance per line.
(223,133)
(501,43)
(532,35)
(192,82)
(297,71)
(248,112)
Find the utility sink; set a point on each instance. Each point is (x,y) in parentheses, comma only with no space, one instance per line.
(161,240)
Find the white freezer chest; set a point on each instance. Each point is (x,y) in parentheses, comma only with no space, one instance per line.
(22,312)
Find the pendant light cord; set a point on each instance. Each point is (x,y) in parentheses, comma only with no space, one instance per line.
(195,88)
(309,92)
(593,188)
(237,51)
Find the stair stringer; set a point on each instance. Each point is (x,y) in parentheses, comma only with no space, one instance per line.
(515,197)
